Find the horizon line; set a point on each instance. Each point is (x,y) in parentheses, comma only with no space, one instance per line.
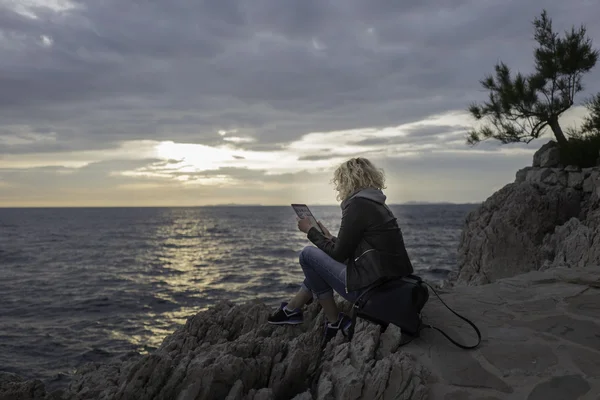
(409,203)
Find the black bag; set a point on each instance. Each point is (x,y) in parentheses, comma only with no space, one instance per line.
(399,302)
(373,263)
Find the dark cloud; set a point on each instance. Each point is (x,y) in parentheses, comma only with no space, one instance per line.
(102,174)
(318,157)
(376,141)
(274,70)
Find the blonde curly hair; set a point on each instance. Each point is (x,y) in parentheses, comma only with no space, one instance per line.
(357,174)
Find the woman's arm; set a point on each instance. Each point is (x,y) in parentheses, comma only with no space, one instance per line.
(326,232)
(349,235)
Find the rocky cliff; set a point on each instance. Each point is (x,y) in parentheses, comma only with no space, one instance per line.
(550,216)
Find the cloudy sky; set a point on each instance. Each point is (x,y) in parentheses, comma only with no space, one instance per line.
(182,102)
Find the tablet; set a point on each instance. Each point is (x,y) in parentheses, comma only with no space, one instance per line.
(303,211)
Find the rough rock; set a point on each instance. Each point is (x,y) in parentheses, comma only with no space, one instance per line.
(575,243)
(547,156)
(230,352)
(504,236)
(13,387)
(539,175)
(549,217)
(539,342)
(521,175)
(7,377)
(591,182)
(304,396)
(587,179)
(557,177)
(575,180)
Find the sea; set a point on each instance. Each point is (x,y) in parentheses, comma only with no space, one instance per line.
(81,285)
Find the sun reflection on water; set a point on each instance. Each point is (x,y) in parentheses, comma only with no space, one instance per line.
(194,261)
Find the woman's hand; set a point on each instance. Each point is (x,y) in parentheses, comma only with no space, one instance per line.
(304,224)
(325,231)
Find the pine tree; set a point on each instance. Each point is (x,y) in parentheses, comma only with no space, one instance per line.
(520,108)
(591,123)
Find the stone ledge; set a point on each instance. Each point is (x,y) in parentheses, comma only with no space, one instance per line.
(587,179)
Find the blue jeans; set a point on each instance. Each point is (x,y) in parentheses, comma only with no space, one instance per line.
(324,274)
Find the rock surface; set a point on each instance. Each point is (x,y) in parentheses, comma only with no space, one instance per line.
(548,217)
(540,341)
(547,156)
(575,243)
(504,236)
(13,387)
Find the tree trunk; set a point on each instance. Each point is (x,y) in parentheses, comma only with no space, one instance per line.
(558,133)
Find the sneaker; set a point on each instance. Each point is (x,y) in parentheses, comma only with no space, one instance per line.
(342,324)
(285,317)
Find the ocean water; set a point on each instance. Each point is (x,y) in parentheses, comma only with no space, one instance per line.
(89,284)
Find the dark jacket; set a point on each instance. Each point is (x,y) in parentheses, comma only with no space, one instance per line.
(367,224)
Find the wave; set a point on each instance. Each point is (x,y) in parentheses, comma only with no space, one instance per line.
(95,355)
(216,229)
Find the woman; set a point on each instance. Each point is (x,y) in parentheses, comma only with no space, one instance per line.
(368,248)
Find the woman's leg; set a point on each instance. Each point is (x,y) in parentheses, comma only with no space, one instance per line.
(330,309)
(300,299)
(323,276)
(304,295)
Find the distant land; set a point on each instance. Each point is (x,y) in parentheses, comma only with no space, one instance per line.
(435,203)
(408,203)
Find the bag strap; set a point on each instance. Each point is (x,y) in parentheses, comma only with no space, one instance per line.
(353,324)
(361,300)
(454,342)
(358,304)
